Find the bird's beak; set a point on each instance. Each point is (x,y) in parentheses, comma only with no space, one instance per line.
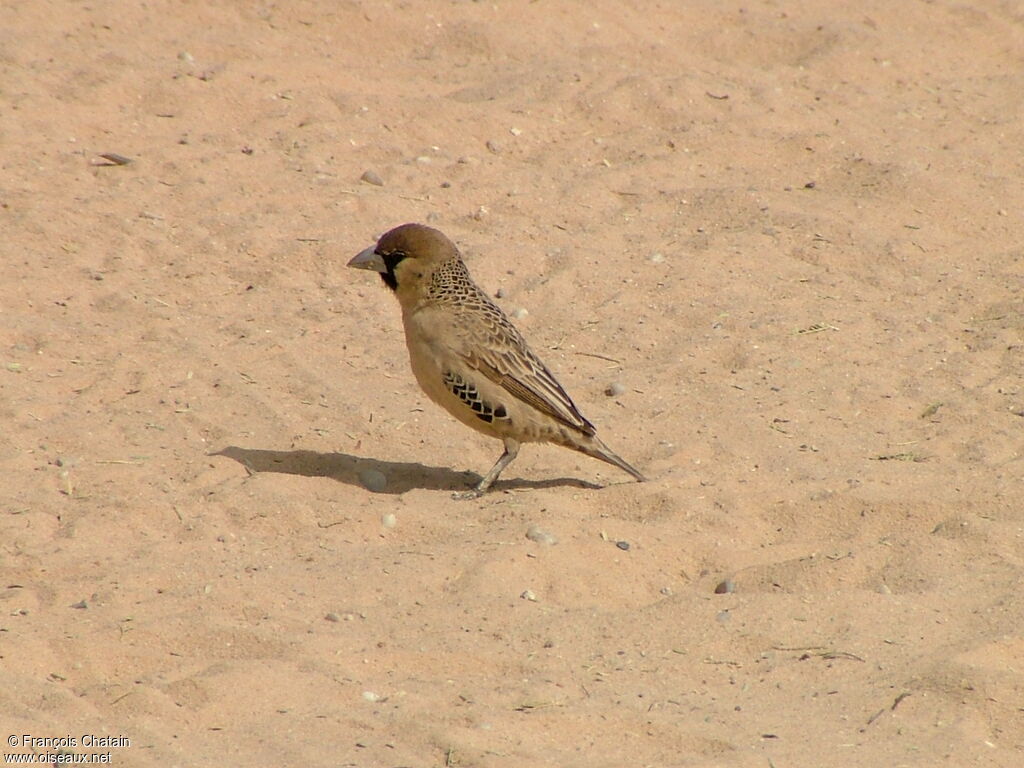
(369,259)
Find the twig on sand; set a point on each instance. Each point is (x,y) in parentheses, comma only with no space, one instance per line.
(816,328)
(600,357)
(905,456)
(891,708)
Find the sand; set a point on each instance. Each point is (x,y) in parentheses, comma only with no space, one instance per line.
(789,232)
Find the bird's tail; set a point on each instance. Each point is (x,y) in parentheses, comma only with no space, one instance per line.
(593,446)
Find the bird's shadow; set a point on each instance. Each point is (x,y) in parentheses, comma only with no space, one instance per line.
(400,476)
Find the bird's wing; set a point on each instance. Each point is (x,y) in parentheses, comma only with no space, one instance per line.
(509,363)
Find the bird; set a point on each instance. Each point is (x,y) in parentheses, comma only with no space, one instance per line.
(469,358)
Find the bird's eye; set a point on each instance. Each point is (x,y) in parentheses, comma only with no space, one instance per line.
(392,259)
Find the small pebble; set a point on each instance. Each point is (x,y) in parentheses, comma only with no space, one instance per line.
(520,312)
(371,696)
(373,480)
(656,258)
(614,389)
(493,147)
(371,177)
(515,131)
(538,534)
(623,545)
(80,604)
(332,616)
(726,587)
(528,595)
(388,520)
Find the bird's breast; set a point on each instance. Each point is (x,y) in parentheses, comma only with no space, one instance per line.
(428,355)
(445,377)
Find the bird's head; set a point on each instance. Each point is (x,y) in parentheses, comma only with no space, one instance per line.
(406,257)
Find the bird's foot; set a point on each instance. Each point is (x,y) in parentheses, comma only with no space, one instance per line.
(474,493)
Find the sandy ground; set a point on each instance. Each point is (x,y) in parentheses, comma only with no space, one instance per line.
(790,231)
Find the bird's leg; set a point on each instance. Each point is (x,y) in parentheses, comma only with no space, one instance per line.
(511,451)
